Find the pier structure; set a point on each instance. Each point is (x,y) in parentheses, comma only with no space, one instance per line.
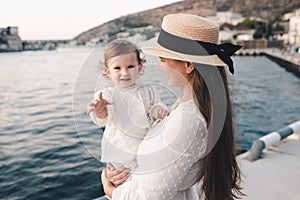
(270,139)
(276,174)
(10,41)
(289,61)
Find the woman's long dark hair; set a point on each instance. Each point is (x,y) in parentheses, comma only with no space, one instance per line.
(221,179)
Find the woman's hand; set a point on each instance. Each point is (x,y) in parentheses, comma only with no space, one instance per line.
(117,176)
(108,187)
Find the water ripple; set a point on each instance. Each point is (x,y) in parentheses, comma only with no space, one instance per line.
(45,156)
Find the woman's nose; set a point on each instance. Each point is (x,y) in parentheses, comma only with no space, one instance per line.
(160,66)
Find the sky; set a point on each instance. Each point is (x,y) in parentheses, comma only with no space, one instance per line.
(65,19)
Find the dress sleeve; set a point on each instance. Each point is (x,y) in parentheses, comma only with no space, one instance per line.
(99,122)
(154,97)
(153,103)
(167,181)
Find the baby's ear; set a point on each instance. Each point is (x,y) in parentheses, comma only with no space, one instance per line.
(141,69)
(106,71)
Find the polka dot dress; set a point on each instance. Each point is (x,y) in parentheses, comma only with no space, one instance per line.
(169,162)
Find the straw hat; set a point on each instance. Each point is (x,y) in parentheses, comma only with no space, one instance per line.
(190,38)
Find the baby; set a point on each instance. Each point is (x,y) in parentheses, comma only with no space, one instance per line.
(128,109)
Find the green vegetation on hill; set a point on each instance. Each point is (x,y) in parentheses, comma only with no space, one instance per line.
(269,10)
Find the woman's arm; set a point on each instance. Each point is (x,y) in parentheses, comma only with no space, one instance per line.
(167,181)
(108,187)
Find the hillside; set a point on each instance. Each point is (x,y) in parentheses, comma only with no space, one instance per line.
(267,9)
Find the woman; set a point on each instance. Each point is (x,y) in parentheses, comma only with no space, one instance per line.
(194,145)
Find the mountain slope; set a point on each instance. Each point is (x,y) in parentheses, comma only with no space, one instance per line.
(267,9)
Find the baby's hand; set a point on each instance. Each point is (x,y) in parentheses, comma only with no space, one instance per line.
(159,112)
(99,106)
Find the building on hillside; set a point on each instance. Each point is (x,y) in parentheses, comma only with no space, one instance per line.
(226,17)
(229,32)
(10,39)
(294,31)
(280,36)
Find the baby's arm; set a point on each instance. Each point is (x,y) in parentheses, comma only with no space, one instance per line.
(100,107)
(159,111)
(97,109)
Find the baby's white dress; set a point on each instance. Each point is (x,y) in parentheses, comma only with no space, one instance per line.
(129,119)
(169,158)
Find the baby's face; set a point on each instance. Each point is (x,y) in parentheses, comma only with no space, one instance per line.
(123,70)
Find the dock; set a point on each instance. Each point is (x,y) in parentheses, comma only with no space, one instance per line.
(289,61)
(276,174)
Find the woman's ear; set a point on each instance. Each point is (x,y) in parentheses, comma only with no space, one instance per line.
(189,67)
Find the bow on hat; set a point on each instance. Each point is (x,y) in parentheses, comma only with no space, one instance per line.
(193,47)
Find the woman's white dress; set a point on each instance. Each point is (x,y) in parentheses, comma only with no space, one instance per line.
(169,158)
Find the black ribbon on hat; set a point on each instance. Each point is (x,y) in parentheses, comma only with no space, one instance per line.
(198,48)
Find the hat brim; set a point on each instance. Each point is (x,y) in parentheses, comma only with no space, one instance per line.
(152,47)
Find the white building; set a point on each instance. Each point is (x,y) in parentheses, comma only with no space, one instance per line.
(294,30)
(280,36)
(228,32)
(13,30)
(226,17)
(288,16)
(293,35)
(10,39)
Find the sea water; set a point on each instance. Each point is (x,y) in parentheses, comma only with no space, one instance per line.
(49,149)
